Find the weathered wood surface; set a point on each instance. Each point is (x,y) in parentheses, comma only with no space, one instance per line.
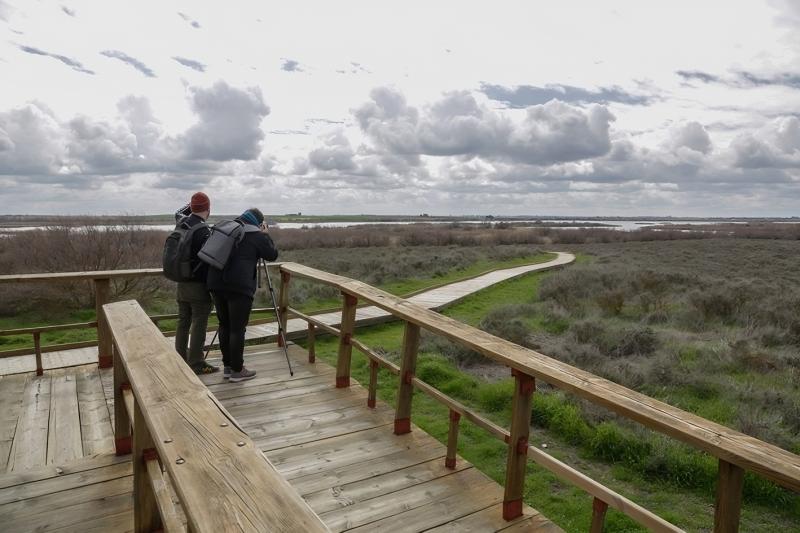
(77,276)
(362,477)
(436,298)
(344,459)
(53,419)
(219,461)
(767,460)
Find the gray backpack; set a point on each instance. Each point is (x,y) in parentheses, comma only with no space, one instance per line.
(225,236)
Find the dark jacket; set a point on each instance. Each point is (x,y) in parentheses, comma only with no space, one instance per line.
(199,237)
(239,274)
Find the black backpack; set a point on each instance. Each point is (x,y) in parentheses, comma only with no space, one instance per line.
(225,236)
(177,257)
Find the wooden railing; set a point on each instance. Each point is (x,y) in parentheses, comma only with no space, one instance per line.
(180,435)
(101,280)
(736,451)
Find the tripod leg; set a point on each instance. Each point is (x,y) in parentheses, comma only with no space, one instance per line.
(212,343)
(281,333)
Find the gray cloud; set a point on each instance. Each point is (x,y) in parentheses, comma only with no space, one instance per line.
(692,135)
(5,10)
(697,75)
(189,19)
(72,63)
(132,61)
(229,123)
(527,95)
(336,154)
(776,145)
(290,65)
(191,63)
(458,125)
(744,79)
(68,11)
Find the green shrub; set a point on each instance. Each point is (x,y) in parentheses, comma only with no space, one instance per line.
(610,443)
(496,397)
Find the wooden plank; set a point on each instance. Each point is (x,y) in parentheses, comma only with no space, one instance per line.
(64,435)
(491,519)
(468,491)
(29,449)
(176,408)
(47,507)
(117,522)
(47,329)
(76,276)
(102,295)
(240,395)
(343,451)
(369,487)
(732,446)
(66,481)
(313,427)
(11,395)
(64,510)
(43,473)
(729,498)
(291,408)
(97,433)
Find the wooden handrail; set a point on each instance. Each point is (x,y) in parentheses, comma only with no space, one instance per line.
(81,276)
(767,460)
(173,411)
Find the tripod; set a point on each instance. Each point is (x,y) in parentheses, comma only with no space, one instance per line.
(281,332)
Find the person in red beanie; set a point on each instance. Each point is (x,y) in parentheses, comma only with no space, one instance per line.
(194,300)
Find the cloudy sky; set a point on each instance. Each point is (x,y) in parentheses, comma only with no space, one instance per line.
(575,107)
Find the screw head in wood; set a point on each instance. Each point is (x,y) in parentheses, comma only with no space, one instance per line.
(240,444)
(180,460)
(223,425)
(167,440)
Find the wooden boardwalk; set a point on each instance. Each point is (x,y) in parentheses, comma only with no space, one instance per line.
(436,299)
(341,456)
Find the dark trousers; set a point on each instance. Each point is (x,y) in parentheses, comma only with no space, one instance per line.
(194,306)
(233,311)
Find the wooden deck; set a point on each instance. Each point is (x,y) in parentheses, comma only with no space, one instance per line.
(343,458)
(436,299)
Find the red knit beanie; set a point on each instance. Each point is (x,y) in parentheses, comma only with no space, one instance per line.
(200,202)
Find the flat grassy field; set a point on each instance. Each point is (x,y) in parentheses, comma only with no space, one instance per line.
(661,474)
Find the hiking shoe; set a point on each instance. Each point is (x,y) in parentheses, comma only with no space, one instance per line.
(205,368)
(242,375)
(226,372)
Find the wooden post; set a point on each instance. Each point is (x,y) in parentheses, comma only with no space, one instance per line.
(146,517)
(408,365)
(518,444)
(37,346)
(312,336)
(373,383)
(452,440)
(599,508)
(730,481)
(283,304)
(122,423)
(102,293)
(345,346)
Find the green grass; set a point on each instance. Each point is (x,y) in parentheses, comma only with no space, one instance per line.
(669,479)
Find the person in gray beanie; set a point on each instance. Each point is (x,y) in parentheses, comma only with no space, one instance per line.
(233,289)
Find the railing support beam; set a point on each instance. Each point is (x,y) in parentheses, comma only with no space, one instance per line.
(37,346)
(345,346)
(122,422)
(408,365)
(452,440)
(102,295)
(146,517)
(599,509)
(312,337)
(728,507)
(516,464)
(373,384)
(283,304)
